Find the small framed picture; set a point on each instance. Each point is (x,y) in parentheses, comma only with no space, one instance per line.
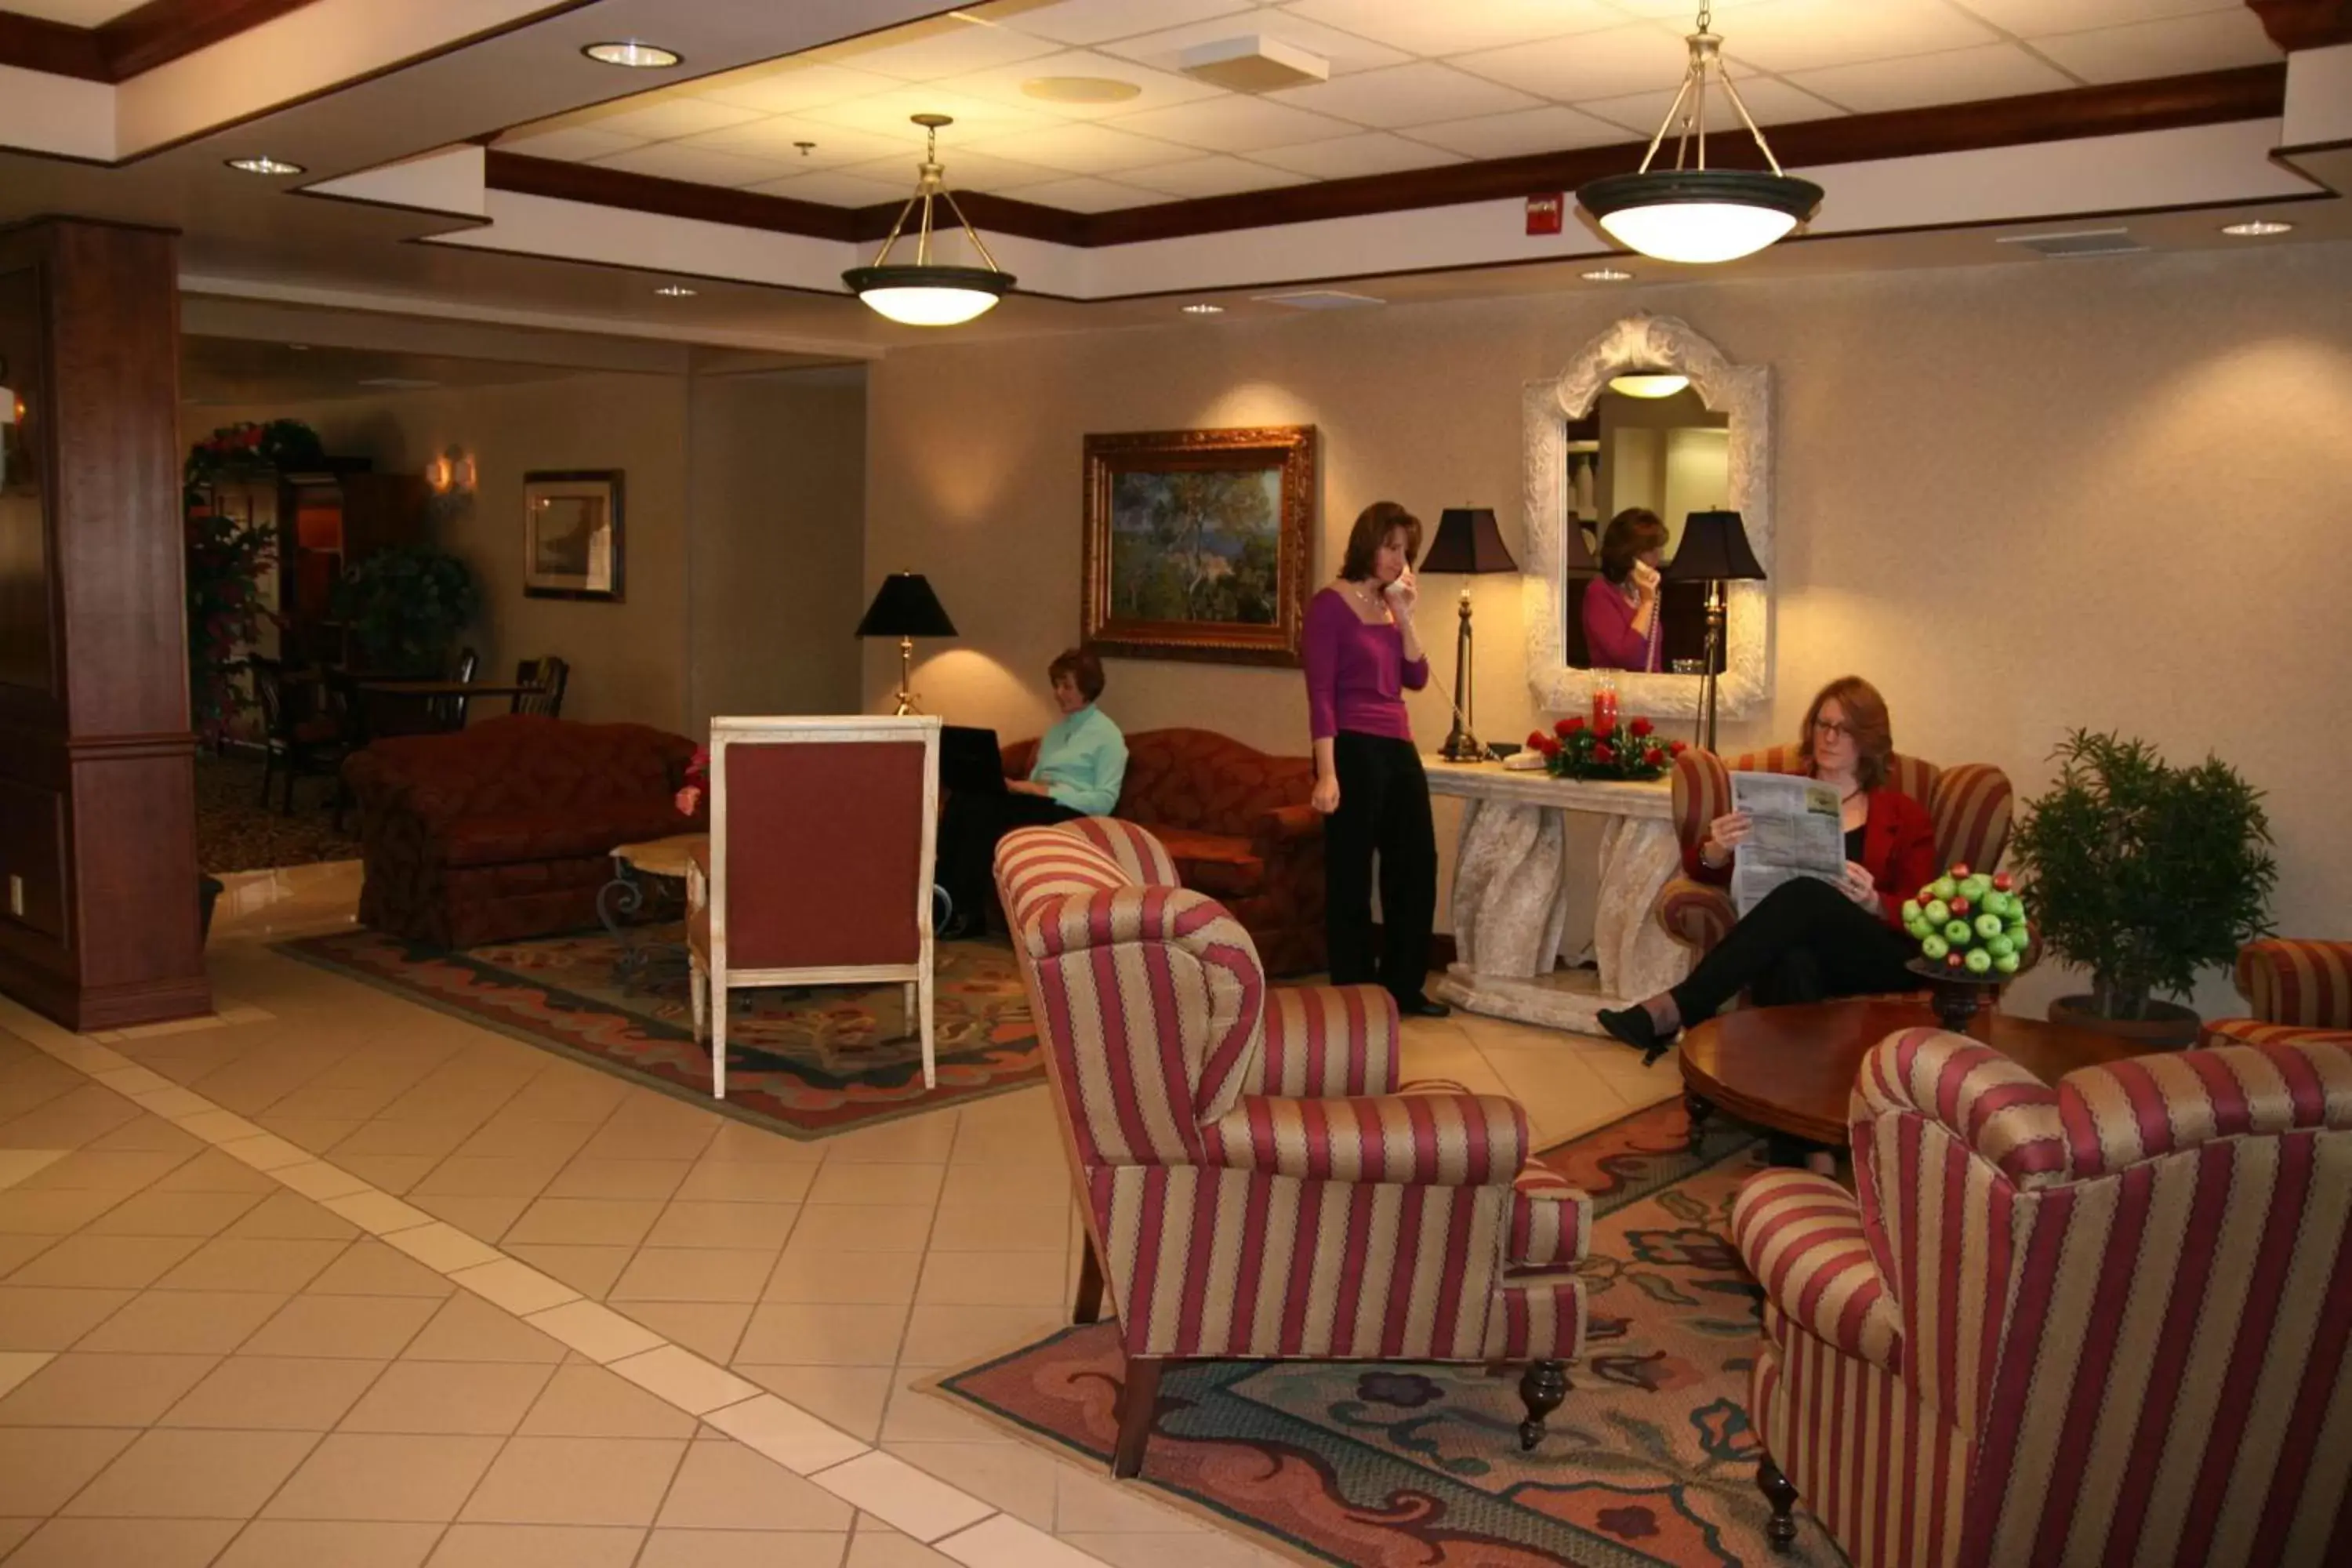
(571,535)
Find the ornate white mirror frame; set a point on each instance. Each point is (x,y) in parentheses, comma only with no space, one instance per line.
(1643,341)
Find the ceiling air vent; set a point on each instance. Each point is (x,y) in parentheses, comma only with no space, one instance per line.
(2082,242)
(1319,299)
(1252,63)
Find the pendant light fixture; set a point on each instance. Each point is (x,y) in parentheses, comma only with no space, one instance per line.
(1691,213)
(925,293)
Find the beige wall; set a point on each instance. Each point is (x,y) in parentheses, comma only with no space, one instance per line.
(745,605)
(2020,498)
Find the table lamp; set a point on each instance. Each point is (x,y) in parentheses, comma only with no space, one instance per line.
(1714,550)
(906,609)
(1469,543)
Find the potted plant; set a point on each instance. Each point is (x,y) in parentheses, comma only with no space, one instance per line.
(2145,874)
(405,606)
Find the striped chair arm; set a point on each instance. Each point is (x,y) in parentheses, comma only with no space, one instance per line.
(1551,1220)
(1695,914)
(1137,852)
(1702,792)
(2305,983)
(1801,1237)
(2254,1032)
(1326,1042)
(1996,1108)
(1416,1140)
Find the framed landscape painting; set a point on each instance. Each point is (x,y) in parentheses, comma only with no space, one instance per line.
(571,535)
(1196,544)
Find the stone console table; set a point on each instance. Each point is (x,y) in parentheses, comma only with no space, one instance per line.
(1510,884)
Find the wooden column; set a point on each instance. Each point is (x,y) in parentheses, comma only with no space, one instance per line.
(98,858)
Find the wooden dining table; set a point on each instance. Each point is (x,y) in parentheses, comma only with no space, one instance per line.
(399,690)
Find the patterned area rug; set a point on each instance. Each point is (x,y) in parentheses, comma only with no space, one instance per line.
(234,832)
(807,1063)
(1651,1462)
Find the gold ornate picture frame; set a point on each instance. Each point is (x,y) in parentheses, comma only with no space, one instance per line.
(1197,543)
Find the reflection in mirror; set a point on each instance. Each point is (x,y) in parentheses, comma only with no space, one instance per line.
(1649,455)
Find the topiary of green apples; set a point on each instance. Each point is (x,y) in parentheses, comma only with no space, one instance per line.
(1969,924)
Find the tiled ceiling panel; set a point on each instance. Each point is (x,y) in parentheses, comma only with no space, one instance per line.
(1411,84)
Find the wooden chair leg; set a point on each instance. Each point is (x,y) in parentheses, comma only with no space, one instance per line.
(1139,1402)
(269,767)
(1781,1493)
(1088,1309)
(1541,1388)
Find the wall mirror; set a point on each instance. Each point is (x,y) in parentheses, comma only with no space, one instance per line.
(1611,432)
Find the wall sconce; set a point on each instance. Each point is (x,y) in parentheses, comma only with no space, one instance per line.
(12,414)
(451,473)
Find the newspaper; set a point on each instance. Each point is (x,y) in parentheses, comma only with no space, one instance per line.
(1797,829)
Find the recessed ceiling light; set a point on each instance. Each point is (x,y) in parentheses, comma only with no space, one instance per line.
(264,166)
(1608,275)
(1204,310)
(675,291)
(300,348)
(1080,89)
(631,54)
(2255,228)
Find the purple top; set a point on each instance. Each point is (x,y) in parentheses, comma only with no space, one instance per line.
(1610,640)
(1357,672)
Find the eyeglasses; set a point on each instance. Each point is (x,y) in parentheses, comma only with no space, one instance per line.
(1832,729)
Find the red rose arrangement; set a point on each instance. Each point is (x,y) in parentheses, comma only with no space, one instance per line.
(698,780)
(1577,750)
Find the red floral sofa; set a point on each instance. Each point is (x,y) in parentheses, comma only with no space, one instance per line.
(1237,824)
(506,830)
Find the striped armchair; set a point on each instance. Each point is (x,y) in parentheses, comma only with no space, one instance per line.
(1971,806)
(1255,1182)
(2108,1322)
(2298,990)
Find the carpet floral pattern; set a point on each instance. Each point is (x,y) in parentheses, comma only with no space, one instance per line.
(234,832)
(1651,1462)
(807,1063)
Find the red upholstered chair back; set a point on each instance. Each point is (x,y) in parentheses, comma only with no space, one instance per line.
(820,843)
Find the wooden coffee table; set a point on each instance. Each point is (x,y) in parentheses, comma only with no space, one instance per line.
(1791,1069)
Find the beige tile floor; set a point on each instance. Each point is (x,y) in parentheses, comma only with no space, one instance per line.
(331,1277)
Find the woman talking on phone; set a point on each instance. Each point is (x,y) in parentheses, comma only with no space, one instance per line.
(1361,657)
(1620,610)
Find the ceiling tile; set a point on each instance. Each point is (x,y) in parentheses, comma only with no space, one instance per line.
(888,113)
(1636,57)
(2032,18)
(1770,102)
(661,118)
(1160,89)
(925,51)
(775,137)
(1235,124)
(1345,51)
(1802,35)
(789,89)
(966,171)
(672,160)
(1428,28)
(1421,93)
(1092,21)
(2214,41)
(1550,129)
(1080,149)
(1213,176)
(574,144)
(1950,76)
(1345,157)
(835,188)
(1684,13)
(1091,196)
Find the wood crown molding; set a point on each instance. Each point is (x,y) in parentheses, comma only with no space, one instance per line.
(2304,24)
(2208,98)
(156,34)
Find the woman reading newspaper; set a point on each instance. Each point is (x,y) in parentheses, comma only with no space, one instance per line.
(1807,938)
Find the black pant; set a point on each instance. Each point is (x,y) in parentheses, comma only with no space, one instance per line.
(968,829)
(1383,810)
(1806,941)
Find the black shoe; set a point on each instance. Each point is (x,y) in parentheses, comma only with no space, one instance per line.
(1422,1007)
(1635,1026)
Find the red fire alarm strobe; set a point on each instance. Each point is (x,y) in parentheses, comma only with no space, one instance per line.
(1543,214)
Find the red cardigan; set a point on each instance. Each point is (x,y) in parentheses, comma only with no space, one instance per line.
(1898,844)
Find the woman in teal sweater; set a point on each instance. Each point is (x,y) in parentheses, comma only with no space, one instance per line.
(1081,763)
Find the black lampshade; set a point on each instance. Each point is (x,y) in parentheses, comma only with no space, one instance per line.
(1714,548)
(1467,543)
(905,607)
